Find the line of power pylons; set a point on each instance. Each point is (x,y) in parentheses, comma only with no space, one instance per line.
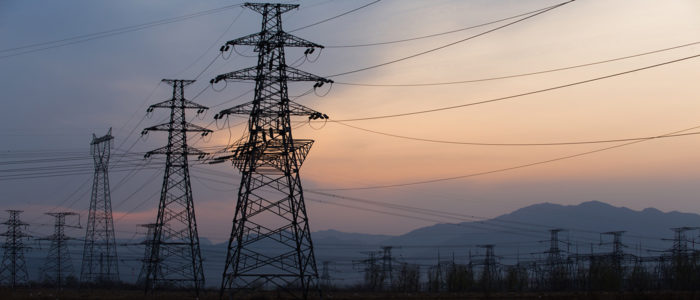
(270,244)
(557,270)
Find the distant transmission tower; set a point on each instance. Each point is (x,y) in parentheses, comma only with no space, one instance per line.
(556,265)
(175,259)
(58,264)
(326,276)
(100,250)
(147,243)
(270,244)
(617,255)
(490,274)
(387,270)
(14,268)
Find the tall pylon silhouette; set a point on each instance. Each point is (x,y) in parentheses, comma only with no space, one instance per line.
(176,259)
(100,261)
(58,264)
(270,244)
(13,271)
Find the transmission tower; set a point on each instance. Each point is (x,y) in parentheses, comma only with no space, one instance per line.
(617,255)
(58,264)
(554,254)
(270,244)
(370,267)
(326,275)
(147,243)
(14,268)
(387,270)
(100,251)
(490,272)
(556,268)
(175,259)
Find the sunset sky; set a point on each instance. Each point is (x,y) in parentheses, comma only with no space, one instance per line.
(54,99)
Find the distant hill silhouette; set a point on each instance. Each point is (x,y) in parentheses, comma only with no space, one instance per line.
(525,232)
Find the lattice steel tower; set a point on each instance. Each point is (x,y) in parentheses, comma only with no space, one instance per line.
(175,259)
(270,243)
(100,262)
(58,264)
(147,242)
(13,271)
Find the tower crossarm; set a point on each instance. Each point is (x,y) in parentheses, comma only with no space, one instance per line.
(189,127)
(270,155)
(272,40)
(263,8)
(186,104)
(295,109)
(189,151)
(253,73)
(96,140)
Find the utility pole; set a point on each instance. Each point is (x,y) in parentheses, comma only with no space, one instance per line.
(58,264)
(14,267)
(270,244)
(100,262)
(175,259)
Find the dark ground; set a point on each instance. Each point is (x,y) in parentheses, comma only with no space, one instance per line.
(24,293)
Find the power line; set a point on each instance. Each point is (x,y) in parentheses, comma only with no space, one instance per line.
(107,33)
(334,17)
(212,46)
(522,94)
(500,170)
(480,221)
(520,74)
(513,225)
(435,34)
(451,44)
(516,144)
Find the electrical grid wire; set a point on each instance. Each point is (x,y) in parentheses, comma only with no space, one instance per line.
(212,46)
(535,234)
(515,225)
(512,226)
(334,17)
(521,74)
(20,50)
(516,144)
(130,175)
(523,94)
(452,43)
(422,212)
(519,231)
(542,162)
(72,168)
(435,34)
(70,196)
(119,184)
